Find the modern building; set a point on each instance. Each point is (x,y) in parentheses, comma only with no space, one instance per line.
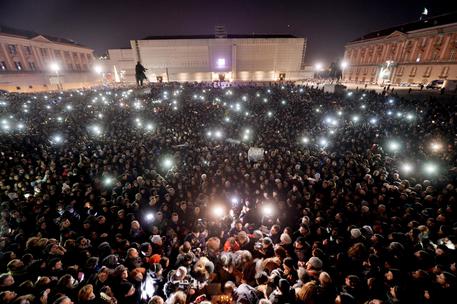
(218,57)
(413,53)
(31,62)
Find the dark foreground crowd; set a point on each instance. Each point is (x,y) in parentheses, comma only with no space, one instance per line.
(133,196)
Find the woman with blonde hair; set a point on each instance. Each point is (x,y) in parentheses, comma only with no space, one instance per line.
(86,294)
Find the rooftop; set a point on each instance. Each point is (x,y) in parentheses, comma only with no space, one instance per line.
(412,26)
(229,36)
(31,34)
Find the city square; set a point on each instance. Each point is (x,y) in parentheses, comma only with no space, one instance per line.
(259,167)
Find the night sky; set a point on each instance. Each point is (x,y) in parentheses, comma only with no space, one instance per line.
(103,24)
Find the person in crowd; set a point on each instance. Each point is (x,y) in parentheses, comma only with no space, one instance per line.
(126,195)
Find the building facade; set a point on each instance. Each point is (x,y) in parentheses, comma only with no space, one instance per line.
(28,62)
(414,53)
(221,58)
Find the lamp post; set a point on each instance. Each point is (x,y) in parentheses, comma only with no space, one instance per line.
(318,68)
(55,67)
(343,65)
(99,70)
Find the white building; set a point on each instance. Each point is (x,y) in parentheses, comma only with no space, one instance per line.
(26,59)
(207,58)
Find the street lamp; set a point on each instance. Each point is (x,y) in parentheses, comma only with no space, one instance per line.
(318,66)
(98,69)
(344,64)
(55,68)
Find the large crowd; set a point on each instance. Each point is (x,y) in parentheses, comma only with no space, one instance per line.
(189,193)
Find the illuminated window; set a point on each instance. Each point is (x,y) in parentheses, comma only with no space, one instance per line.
(452,54)
(428,71)
(444,71)
(18,65)
(413,72)
(32,66)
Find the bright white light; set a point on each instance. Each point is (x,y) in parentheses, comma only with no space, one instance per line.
(430,168)
(6,127)
(54,67)
(399,114)
(363,106)
(394,146)
(373,120)
(350,93)
(245,137)
(247,131)
(96,130)
(149,127)
(20,126)
(283,102)
(389,113)
(355,118)
(267,210)
(270,113)
(227,119)
(220,62)
(218,134)
(391,101)
(108,181)
(265,100)
(344,64)
(59,119)
(98,69)
(167,163)
(218,211)
(149,217)
(407,168)
(57,139)
(305,140)
(339,113)
(209,133)
(318,66)
(409,116)
(100,115)
(435,146)
(323,142)
(234,200)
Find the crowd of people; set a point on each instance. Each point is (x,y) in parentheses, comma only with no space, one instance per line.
(152,195)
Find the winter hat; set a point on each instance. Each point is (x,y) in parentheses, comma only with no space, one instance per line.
(156,239)
(285,239)
(356,233)
(315,263)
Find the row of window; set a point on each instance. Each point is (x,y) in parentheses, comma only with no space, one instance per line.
(32,66)
(366,55)
(13,50)
(400,71)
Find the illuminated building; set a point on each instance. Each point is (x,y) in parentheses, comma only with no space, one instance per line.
(217,57)
(413,53)
(26,59)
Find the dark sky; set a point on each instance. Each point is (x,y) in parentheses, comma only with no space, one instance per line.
(103,24)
